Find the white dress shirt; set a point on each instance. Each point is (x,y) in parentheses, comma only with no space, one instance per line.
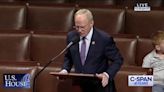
(87,40)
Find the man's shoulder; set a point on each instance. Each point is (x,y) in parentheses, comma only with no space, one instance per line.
(71,33)
(150,55)
(102,33)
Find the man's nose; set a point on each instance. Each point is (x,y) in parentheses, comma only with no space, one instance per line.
(79,30)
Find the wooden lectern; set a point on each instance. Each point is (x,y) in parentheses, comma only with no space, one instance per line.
(71,75)
(75,88)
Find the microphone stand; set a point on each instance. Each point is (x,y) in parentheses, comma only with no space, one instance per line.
(35,77)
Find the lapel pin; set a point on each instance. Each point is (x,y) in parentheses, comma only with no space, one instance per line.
(93,42)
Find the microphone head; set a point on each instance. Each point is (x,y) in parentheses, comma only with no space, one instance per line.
(76,38)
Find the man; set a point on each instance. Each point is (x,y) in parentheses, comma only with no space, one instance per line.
(92,54)
(155,60)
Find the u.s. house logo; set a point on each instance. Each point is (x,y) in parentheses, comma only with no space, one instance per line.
(16,80)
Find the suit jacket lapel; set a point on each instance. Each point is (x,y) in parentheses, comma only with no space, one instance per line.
(75,49)
(91,47)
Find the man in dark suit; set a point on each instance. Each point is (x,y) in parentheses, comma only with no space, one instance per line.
(92,55)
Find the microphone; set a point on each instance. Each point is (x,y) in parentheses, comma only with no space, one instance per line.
(74,40)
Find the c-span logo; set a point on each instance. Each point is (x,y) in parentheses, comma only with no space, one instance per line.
(140,80)
(16,80)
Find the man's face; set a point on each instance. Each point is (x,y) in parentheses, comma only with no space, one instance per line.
(82,24)
(160,47)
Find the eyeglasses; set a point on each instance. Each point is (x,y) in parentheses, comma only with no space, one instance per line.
(80,27)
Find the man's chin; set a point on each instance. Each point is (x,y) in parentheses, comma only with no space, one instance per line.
(82,34)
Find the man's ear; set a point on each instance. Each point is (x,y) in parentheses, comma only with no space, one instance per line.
(157,47)
(92,23)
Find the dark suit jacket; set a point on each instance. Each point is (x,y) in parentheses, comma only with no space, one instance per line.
(102,50)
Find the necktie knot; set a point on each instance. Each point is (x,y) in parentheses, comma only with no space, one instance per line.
(83,38)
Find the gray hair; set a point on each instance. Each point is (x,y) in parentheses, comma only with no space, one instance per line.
(85,11)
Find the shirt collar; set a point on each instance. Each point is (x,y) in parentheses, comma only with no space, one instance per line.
(155,54)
